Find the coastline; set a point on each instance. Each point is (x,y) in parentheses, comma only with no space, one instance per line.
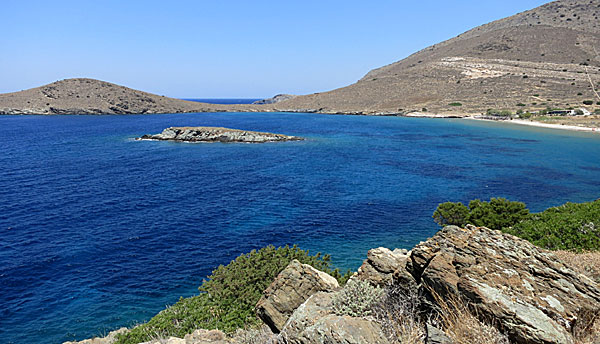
(540,124)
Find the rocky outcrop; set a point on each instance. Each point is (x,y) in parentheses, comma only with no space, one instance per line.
(526,291)
(314,322)
(108,339)
(294,285)
(381,264)
(276,99)
(215,134)
(197,337)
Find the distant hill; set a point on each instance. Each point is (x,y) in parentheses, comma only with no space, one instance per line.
(89,96)
(534,59)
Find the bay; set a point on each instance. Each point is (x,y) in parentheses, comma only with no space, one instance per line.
(99,231)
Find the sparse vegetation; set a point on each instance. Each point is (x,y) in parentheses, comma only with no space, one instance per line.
(398,313)
(356,299)
(455,104)
(228,296)
(462,326)
(499,113)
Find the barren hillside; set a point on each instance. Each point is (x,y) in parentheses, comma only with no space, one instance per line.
(538,58)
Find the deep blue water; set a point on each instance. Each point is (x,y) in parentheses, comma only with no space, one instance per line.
(224,100)
(99,231)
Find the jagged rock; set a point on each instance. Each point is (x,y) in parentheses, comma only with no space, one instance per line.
(526,291)
(276,99)
(206,337)
(381,265)
(296,283)
(314,323)
(170,340)
(109,339)
(214,134)
(200,336)
(436,336)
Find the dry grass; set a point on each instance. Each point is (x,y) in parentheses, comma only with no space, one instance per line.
(398,315)
(462,326)
(587,328)
(587,264)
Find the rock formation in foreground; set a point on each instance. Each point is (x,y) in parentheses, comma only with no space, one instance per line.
(525,294)
(215,134)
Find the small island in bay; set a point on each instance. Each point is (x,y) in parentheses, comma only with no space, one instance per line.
(217,134)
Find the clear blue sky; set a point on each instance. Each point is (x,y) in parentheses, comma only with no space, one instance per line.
(221,49)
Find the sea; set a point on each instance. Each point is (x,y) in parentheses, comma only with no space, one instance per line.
(100,231)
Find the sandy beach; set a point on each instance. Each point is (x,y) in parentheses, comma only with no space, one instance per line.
(542,125)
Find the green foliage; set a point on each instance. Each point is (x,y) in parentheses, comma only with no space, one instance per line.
(521,104)
(450,213)
(526,115)
(571,226)
(588,102)
(498,213)
(228,296)
(455,104)
(500,113)
(356,299)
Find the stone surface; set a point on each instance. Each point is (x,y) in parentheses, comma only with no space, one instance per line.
(109,339)
(382,264)
(206,337)
(436,336)
(215,134)
(276,99)
(314,323)
(527,291)
(200,336)
(294,285)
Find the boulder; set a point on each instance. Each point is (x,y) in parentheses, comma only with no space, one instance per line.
(108,339)
(206,337)
(200,336)
(383,267)
(294,285)
(527,292)
(314,323)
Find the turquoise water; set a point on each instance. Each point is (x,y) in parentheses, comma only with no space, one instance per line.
(99,231)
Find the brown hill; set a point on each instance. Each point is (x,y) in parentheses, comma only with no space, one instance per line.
(538,58)
(89,96)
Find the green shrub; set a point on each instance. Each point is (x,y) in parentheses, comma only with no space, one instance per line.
(521,104)
(450,213)
(228,296)
(588,102)
(455,104)
(499,113)
(498,213)
(571,226)
(526,115)
(356,299)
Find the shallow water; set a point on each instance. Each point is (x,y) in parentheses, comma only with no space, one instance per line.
(99,231)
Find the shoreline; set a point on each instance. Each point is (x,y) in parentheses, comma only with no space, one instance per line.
(540,124)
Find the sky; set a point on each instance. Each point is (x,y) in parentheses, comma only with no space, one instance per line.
(225,49)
